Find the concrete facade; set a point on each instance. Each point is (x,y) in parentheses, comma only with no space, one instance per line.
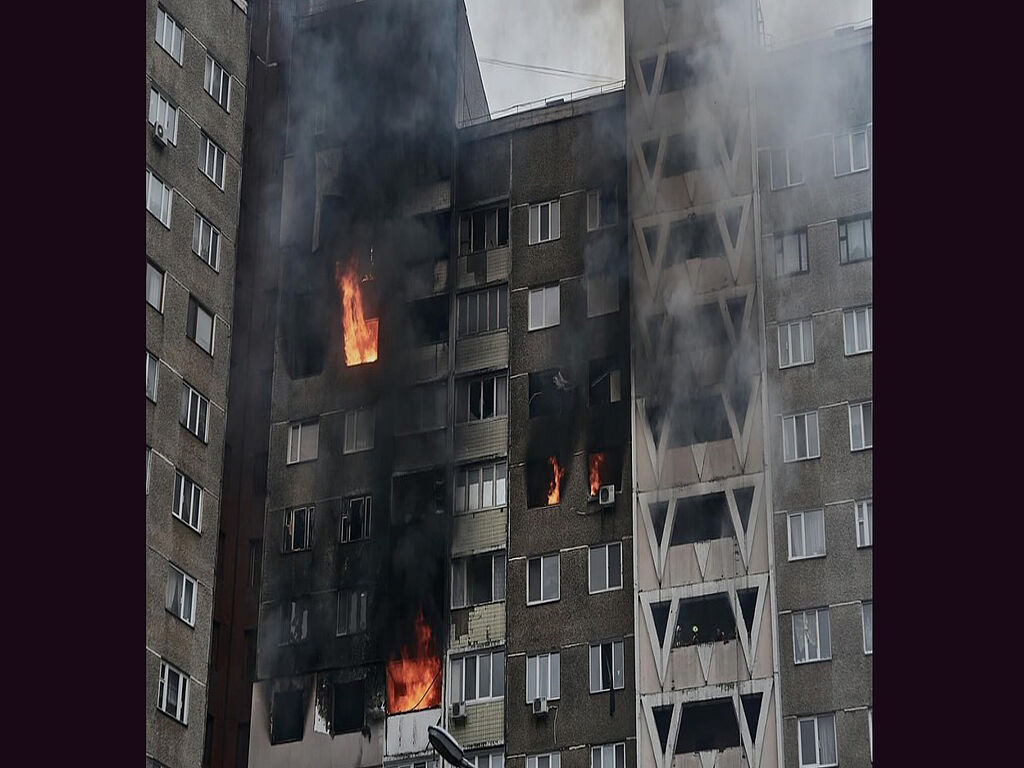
(178,102)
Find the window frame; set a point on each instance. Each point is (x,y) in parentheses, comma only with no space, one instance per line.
(162,19)
(463,472)
(817,437)
(367,411)
(803,534)
(558,570)
(195,501)
(360,596)
(461,563)
(590,665)
(466,228)
(818,612)
(288,529)
(843,231)
(803,256)
(150,265)
(869,325)
(797,148)
(477,655)
(467,382)
(863,512)
(554,760)
(553,210)
(848,146)
(859,407)
(209,75)
(500,292)
(181,705)
(155,361)
(345,519)
(185,581)
(535,673)
(289,611)
(817,741)
(590,554)
(199,223)
(166,196)
(200,398)
(598,209)
(545,291)
(870,605)
(295,428)
(788,327)
(206,144)
(616,748)
(166,106)
(609,281)
(192,324)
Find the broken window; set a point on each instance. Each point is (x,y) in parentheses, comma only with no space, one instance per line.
(817,741)
(602,294)
(483,311)
(187,505)
(181,595)
(348,707)
(800,437)
(172,692)
(787,166)
(796,343)
(152,373)
(544,311)
(483,230)
(294,623)
(303,441)
(857,330)
(429,319)
(417,494)
(481,397)
(708,725)
(424,408)
(867,619)
(478,579)
(855,239)
(543,673)
(542,579)
(550,392)
(605,382)
(806,534)
(706,619)
(865,523)
(697,237)
(602,208)
(701,518)
(861,429)
(298,529)
(812,636)
(607,666)
(194,413)
(608,756)
(680,71)
(286,716)
(791,253)
(481,486)
(359,428)
(478,676)
(605,567)
(355,519)
(851,152)
(351,611)
(701,420)
(544,222)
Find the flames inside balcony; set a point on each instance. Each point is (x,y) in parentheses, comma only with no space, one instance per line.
(414,676)
(360,332)
(545,480)
(604,469)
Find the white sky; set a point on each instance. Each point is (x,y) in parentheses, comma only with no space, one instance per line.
(586,36)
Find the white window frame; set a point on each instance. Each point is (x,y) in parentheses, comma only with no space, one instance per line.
(353,598)
(166,24)
(544,760)
(802,617)
(558,571)
(460,677)
(615,644)
(152,361)
(485,759)
(498,294)
(166,198)
(870,605)
(464,484)
(601,753)
(193,333)
(345,521)
(162,111)
(590,557)
(602,286)
(181,705)
(288,530)
(859,408)
(210,152)
(188,616)
(843,230)
(149,463)
(786,331)
(196,400)
(293,631)
(196,495)
(802,255)
(816,719)
(214,80)
(547,294)
(295,441)
(551,210)
(788,170)
(498,566)
(800,519)
(850,330)
(163,285)
(844,142)
(201,225)
(554,678)
(352,422)
(864,519)
(871,734)
(488,379)
(594,209)
(789,427)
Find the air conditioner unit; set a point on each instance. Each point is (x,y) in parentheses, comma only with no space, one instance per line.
(606,496)
(540,706)
(459,710)
(158,135)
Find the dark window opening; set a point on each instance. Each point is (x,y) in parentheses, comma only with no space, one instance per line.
(701,420)
(286,717)
(349,707)
(744,503)
(659,612)
(680,72)
(416,495)
(483,229)
(650,150)
(430,320)
(250,655)
(605,382)
(304,335)
(708,725)
(651,238)
(659,514)
(706,619)
(255,562)
(701,518)
(748,602)
(550,393)
(541,490)
(694,238)
(647,68)
(662,721)
(752,711)
(479,398)
(684,153)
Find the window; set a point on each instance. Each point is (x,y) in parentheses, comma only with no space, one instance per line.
(154,286)
(602,208)
(195,411)
(871,734)
(486,760)
(851,151)
(858,325)
(855,239)
(483,229)
(787,167)
(424,408)
(217,83)
(162,112)
(303,441)
(187,505)
(791,253)
(544,310)
(152,374)
(172,695)
(796,343)
(542,579)
(602,294)
(800,437)
(817,742)
(168,34)
(811,636)
(605,382)
(478,579)
(351,611)
(806,534)
(481,486)
(206,241)
(478,676)
(211,160)
(298,529)
(358,430)
(149,460)
(348,707)
(158,198)
(608,756)
(605,567)
(865,523)
(543,676)
(482,397)
(294,623)
(867,617)
(199,326)
(861,436)
(181,595)
(286,716)
(483,311)
(551,760)
(606,666)
(355,519)
(544,222)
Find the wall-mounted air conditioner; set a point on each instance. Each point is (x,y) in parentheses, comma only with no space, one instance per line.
(540,706)
(606,496)
(158,135)
(459,710)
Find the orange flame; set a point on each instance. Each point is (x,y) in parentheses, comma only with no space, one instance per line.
(360,333)
(414,679)
(596,462)
(555,486)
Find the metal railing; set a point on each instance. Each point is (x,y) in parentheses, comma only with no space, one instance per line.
(559,98)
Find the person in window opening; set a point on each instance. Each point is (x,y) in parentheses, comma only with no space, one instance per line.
(720,636)
(693,641)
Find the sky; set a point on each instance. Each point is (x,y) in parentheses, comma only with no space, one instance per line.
(586,37)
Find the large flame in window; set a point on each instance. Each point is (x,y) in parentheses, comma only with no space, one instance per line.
(360,333)
(414,677)
(555,486)
(596,462)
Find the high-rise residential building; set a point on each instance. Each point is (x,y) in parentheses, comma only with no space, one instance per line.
(197,56)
